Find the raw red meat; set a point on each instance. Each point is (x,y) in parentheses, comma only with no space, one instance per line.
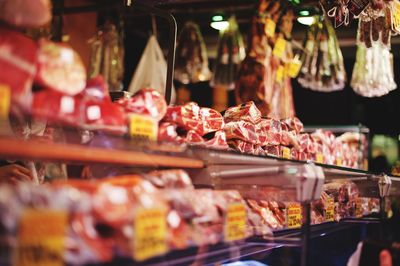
(176,179)
(57,107)
(145,102)
(192,117)
(60,68)
(242,130)
(273,150)
(22,13)
(242,146)
(218,142)
(245,112)
(192,137)
(294,124)
(271,132)
(167,132)
(18,58)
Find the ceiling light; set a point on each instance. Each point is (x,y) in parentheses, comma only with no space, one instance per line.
(306,20)
(304,13)
(220,25)
(217,18)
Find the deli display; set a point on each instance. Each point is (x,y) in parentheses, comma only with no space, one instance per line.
(152,183)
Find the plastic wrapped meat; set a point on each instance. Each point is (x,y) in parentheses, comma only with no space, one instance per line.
(273,150)
(167,132)
(373,74)
(294,124)
(271,132)
(99,113)
(191,116)
(243,131)
(55,106)
(192,137)
(345,194)
(15,47)
(289,138)
(229,56)
(218,141)
(198,210)
(60,68)
(280,95)
(170,179)
(145,102)
(317,212)
(247,112)
(266,214)
(21,13)
(242,146)
(322,60)
(107,56)
(254,79)
(191,63)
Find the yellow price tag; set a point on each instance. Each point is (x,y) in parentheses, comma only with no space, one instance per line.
(319,158)
(286,153)
(5,101)
(150,238)
(294,215)
(293,68)
(142,126)
(330,210)
(270,27)
(279,48)
(235,222)
(41,238)
(280,72)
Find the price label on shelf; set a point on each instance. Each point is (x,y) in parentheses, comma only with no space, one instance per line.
(319,158)
(270,27)
(144,127)
(339,161)
(286,153)
(5,100)
(41,238)
(235,222)
(294,216)
(330,210)
(279,48)
(150,238)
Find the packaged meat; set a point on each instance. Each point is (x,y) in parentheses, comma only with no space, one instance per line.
(280,95)
(192,117)
(241,130)
(373,74)
(255,76)
(167,132)
(271,132)
(99,113)
(294,124)
(18,61)
(266,214)
(170,179)
(322,60)
(24,14)
(191,63)
(247,112)
(145,102)
(229,56)
(242,146)
(273,150)
(107,56)
(60,68)
(218,142)
(192,137)
(55,106)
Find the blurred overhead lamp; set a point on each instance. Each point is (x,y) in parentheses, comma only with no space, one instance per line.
(219,23)
(307,16)
(309,20)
